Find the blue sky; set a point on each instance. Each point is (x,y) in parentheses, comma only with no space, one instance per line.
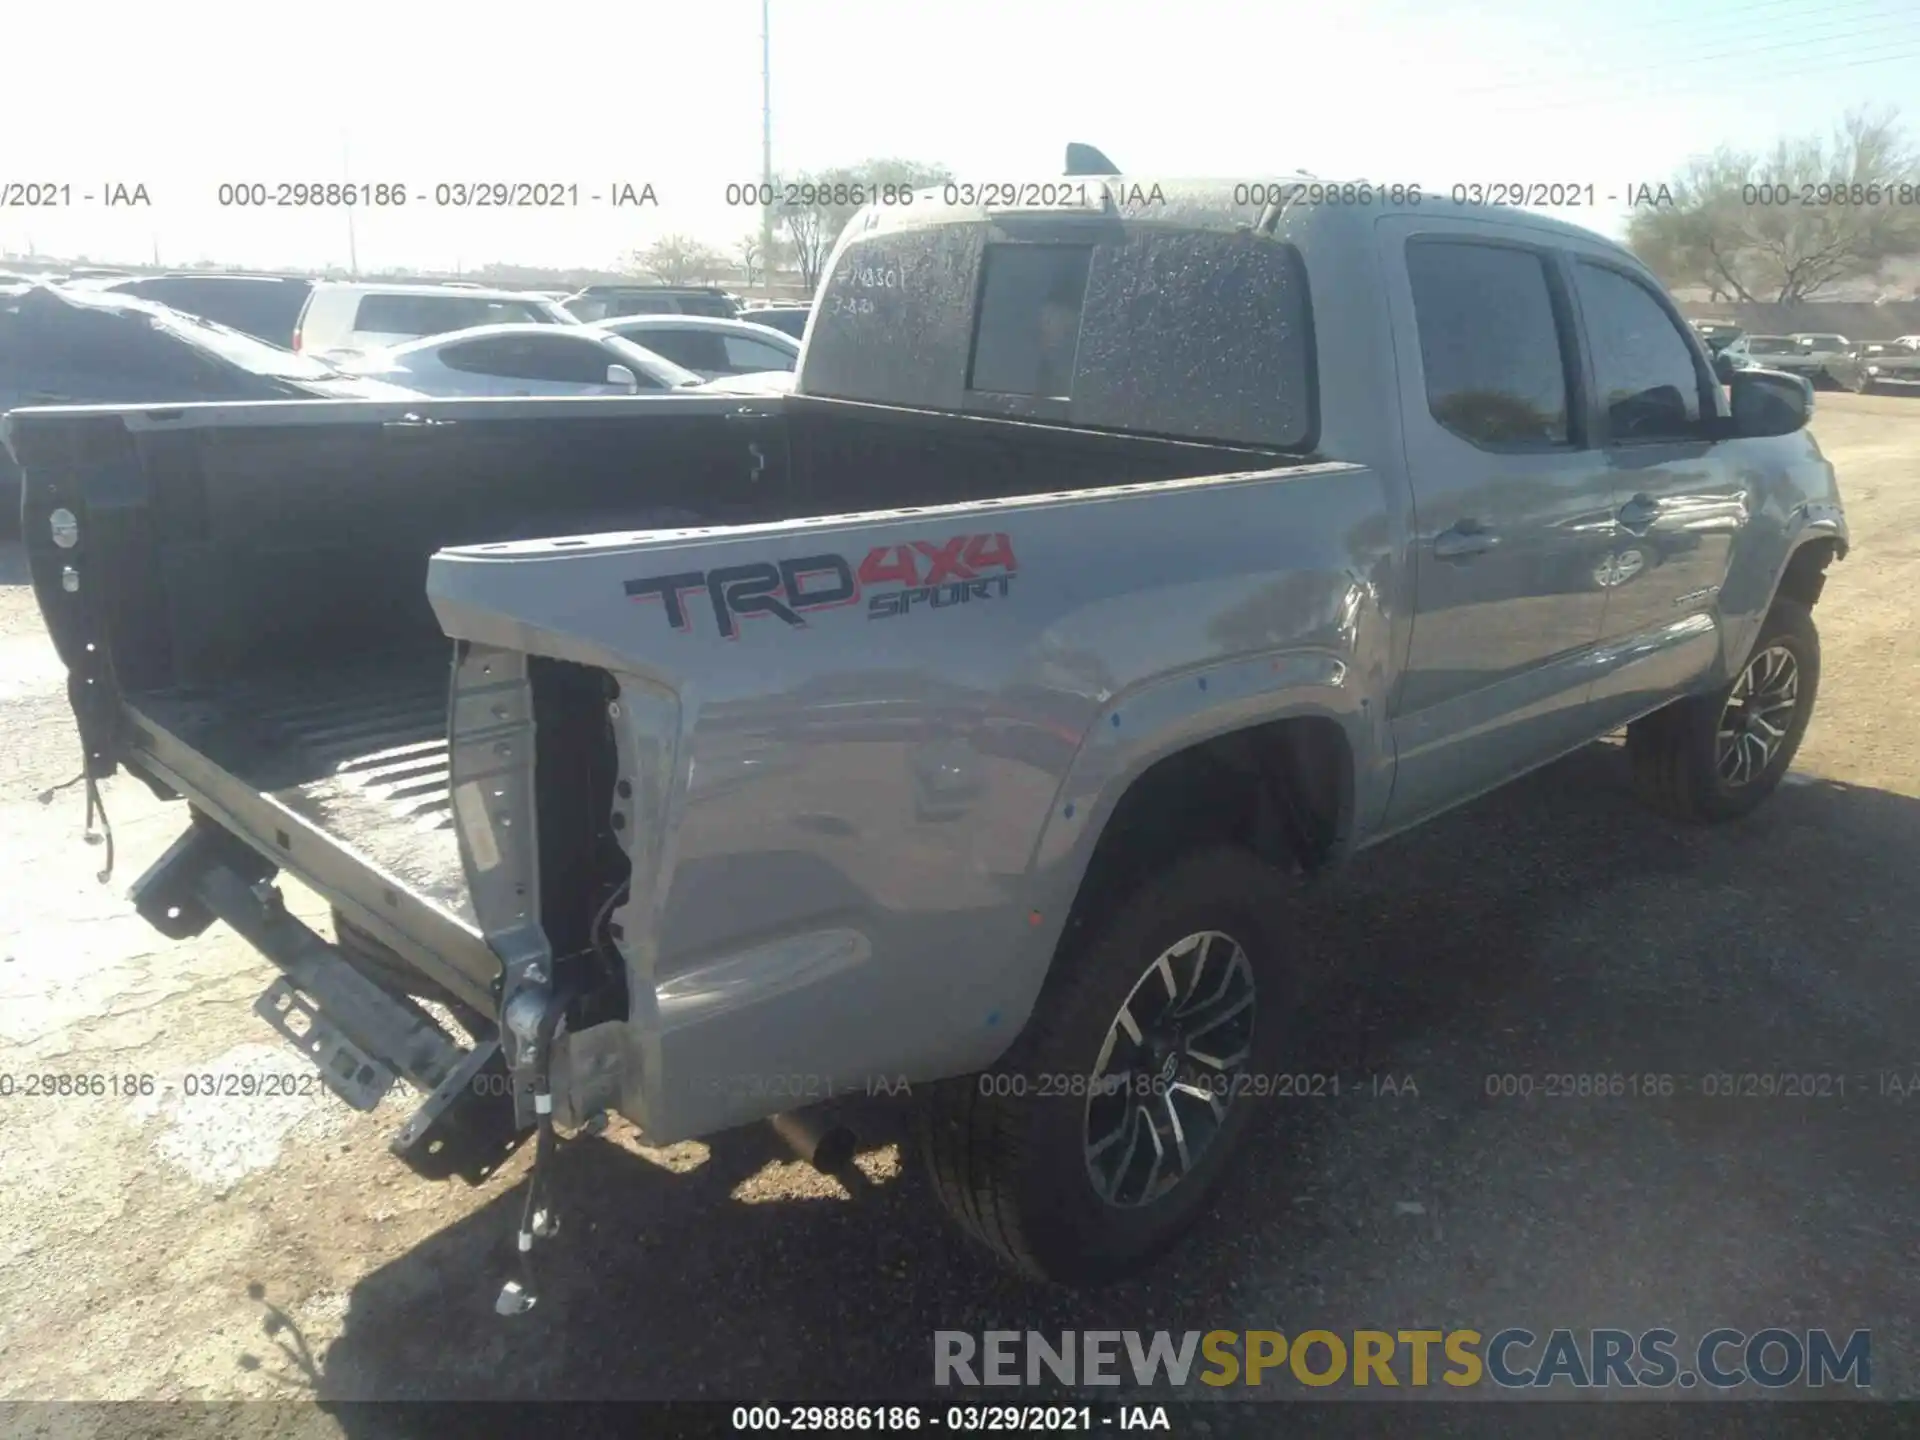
(588,92)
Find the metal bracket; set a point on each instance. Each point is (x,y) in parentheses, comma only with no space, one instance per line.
(347,1070)
(466,1126)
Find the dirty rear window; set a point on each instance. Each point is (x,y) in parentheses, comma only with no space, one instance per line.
(1153,329)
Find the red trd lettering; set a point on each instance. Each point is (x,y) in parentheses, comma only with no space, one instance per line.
(887,564)
(946,560)
(986,551)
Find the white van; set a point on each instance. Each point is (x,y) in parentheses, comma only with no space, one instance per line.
(344,319)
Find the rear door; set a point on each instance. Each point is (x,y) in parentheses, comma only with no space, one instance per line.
(1682,504)
(1513,510)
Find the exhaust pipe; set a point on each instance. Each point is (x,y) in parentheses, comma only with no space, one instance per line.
(825,1146)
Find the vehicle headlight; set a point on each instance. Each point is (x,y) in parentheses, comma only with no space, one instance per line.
(1873,369)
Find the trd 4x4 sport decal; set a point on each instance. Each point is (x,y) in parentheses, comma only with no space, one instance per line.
(916,574)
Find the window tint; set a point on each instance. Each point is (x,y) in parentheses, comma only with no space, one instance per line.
(529,357)
(745,356)
(1029,327)
(638,305)
(437,314)
(1644,369)
(477,357)
(577,362)
(695,349)
(1489,343)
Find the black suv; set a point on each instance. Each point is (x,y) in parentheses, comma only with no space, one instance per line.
(266,307)
(610,302)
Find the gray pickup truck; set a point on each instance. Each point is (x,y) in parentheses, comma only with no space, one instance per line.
(961,718)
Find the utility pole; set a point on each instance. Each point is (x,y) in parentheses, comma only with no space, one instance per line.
(346,174)
(766,147)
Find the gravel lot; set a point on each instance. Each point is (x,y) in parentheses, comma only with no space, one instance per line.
(178,1247)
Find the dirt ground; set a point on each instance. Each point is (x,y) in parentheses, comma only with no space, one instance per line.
(176,1246)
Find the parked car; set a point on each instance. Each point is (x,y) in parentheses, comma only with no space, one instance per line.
(345,319)
(266,307)
(525,360)
(763,382)
(710,348)
(787,319)
(609,302)
(1750,352)
(75,347)
(1878,365)
(960,719)
(1814,355)
(1717,334)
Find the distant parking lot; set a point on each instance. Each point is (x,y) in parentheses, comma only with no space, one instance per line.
(177,1245)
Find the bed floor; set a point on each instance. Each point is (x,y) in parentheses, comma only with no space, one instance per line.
(358,751)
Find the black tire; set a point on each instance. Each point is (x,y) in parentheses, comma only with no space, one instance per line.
(1013,1169)
(1676,752)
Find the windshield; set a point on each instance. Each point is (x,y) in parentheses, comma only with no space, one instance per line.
(1769,345)
(644,362)
(239,349)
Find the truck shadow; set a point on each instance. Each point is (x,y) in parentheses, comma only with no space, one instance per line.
(1553,926)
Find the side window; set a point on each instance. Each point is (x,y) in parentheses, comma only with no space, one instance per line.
(1489,343)
(694,349)
(744,356)
(480,357)
(1643,367)
(577,362)
(642,305)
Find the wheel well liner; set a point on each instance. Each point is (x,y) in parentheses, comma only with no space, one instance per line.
(1806,573)
(1283,790)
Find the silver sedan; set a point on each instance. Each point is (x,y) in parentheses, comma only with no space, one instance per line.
(712,348)
(524,359)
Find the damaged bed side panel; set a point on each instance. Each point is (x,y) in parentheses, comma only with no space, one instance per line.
(855,787)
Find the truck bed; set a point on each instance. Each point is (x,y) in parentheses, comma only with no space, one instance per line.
(247,623)
(357,751)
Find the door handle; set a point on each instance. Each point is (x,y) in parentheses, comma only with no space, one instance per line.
(1463,541)
(1639,512)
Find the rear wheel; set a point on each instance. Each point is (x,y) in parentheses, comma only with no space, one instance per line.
(1106,1130)
(1716,757)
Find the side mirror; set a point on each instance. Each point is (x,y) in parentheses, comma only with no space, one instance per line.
(622,376)
(1723,368)
(1770,402)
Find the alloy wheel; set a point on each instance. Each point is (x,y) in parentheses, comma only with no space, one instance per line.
(1170,1068)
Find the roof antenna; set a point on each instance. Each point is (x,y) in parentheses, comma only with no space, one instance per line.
(1085,160)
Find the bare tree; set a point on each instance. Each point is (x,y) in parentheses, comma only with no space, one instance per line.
(826,200)
(680,260)
(747,251)
(1791,224)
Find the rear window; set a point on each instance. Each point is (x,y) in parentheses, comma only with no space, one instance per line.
(437,314)
(1153,329)
(718,306)
(1029,323)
